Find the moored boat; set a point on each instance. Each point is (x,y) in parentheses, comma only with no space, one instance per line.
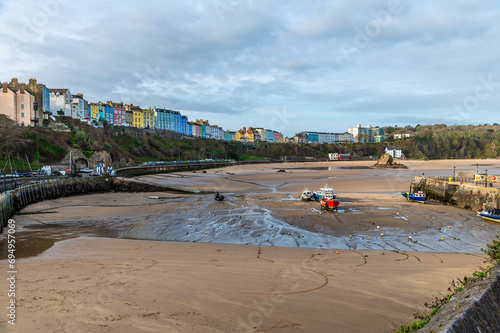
(306,195)
(491,215)
(416,196)
(219,197)
(329,205)
(324,192)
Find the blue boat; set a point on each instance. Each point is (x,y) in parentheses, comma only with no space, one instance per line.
(492,215)
(417,196)
(324,192)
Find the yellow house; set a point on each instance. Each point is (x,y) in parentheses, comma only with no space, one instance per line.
(94,112)
(138,118)
(148,118)
(247,135)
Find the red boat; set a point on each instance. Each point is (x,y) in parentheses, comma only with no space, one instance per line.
(329,204)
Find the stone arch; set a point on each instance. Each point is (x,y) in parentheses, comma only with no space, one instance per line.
(81,163)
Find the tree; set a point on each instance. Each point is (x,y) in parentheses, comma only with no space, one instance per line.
(60,112)
(46,122)
(11,138)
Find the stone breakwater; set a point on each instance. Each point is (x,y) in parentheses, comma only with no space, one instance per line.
(475,309)
(463,195)
(28,194)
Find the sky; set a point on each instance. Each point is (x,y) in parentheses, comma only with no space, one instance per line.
(286,65)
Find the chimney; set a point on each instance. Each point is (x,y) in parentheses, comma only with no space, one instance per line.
(4,86)
(22,88)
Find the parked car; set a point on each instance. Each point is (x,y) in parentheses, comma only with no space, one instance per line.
(86,170)
(93,173)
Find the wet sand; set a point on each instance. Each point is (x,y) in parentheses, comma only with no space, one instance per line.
(111,285)
(202,289)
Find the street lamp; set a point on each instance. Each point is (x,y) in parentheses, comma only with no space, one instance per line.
(486,178)
(453,173)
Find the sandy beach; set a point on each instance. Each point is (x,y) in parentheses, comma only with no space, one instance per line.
(261,261)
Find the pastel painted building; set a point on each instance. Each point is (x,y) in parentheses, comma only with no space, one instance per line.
(132,113)
(395,152)
(61,99)
(262,132)
(278,137)
(346,138)
(42,98)
(170,120)
(148,118)
(313,137)
(196,130)
(247,135)
(119,114)
(109,113)
(270,136)
(78,107)
(102,111)
(18,105)
(94,112)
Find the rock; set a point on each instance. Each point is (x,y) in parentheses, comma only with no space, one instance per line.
(386,161)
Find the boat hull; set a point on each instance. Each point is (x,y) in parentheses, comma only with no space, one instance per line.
(490,217)
(412,197)
(330,205)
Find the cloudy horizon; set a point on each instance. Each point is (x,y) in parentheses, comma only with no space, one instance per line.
(285,65)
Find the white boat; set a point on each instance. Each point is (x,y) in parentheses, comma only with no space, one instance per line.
(306,195)
(324,192)
(491,215)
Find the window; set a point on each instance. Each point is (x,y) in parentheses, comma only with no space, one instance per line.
(22,106)
(22,114)
(22,98)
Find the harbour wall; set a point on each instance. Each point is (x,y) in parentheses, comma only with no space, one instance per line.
(28,194)
(181,166)
(463,195)
(475,309)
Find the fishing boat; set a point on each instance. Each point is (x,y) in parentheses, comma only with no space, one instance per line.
(219,197)
(329,203)
(492,215)
(416,196)
(324,192)
(306,195)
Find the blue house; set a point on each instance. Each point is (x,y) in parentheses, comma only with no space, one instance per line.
(270,136)
(184,125)
(109,114)
(313,137)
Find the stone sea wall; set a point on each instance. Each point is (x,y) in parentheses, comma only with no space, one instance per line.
(28,194)
(463,195)
(475,309)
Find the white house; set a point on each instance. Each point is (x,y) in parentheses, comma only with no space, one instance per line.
(61,99)
(402,136)
(395,152)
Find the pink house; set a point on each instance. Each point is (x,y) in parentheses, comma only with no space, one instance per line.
(18,105)
(120,114)
(278,137)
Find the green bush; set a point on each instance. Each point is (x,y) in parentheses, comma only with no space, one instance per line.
(87,153)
